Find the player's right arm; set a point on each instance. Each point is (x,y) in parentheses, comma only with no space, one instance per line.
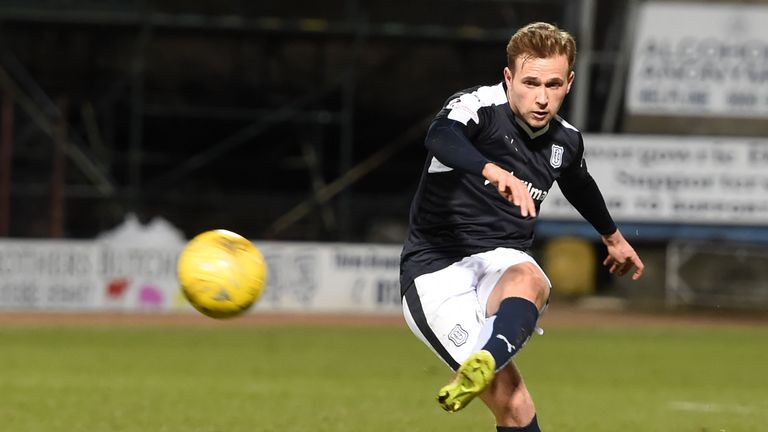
(511,188)
(449,139)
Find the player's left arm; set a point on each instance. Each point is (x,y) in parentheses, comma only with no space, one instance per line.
(580,189)
(621,258)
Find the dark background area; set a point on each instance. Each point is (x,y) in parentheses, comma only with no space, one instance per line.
(232,113)
(300,120)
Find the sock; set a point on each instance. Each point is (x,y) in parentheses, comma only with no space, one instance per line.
(532,427)
(513,325)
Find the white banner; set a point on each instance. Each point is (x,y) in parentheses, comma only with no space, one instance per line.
(675,180)
(119,275)
(331,277)
(55,275)
(699,59)
(138,278)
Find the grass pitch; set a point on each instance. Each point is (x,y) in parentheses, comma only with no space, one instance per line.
(373,379)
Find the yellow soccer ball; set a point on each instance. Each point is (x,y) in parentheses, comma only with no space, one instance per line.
(221,273)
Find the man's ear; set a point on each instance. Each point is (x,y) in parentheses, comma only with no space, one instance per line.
(570,80)
(507,74)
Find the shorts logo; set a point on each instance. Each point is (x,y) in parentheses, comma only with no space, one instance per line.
(557,156)
(458,335)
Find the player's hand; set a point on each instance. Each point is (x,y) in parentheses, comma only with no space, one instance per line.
(511,188)
(622,258)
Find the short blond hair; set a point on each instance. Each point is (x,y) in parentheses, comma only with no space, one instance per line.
(540,40)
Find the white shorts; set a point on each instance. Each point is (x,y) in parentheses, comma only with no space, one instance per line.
(447,308)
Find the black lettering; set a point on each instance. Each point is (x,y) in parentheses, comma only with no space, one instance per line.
(742,99)
(62,294)
(19,294)
(387,292)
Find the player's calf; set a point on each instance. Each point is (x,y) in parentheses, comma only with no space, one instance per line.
(512,326)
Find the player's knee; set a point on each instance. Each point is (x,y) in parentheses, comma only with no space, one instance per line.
(526,280)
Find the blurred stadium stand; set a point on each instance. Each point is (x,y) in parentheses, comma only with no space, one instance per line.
(231,113)
(279,120)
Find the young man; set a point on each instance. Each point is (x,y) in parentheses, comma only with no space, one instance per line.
(470,292)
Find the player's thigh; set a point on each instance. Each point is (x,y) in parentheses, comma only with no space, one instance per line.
(501,264)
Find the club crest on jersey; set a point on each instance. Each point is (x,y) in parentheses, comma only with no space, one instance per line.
(557,156)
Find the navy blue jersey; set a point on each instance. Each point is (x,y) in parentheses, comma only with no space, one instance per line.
(456,212)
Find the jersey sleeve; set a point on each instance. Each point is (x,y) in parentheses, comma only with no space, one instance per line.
(450,135)
(580,189)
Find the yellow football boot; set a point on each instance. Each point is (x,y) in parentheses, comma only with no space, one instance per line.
(471,379)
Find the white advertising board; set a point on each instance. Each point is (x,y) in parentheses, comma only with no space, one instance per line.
(125,276)
(53,275)
(138,278)
(700,59)
(684,180)
(331,277)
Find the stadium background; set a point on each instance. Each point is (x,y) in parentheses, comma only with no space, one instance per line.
(129,126)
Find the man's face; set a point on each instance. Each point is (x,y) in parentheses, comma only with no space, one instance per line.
(538,87)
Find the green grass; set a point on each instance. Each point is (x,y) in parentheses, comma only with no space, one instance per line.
(370,379)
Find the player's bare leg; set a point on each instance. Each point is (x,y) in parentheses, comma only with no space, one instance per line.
(514,306)
(523,280)
(508,399)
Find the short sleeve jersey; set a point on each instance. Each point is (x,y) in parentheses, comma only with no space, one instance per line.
(456,213)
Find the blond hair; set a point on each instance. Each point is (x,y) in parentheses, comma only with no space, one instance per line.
(540,40)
